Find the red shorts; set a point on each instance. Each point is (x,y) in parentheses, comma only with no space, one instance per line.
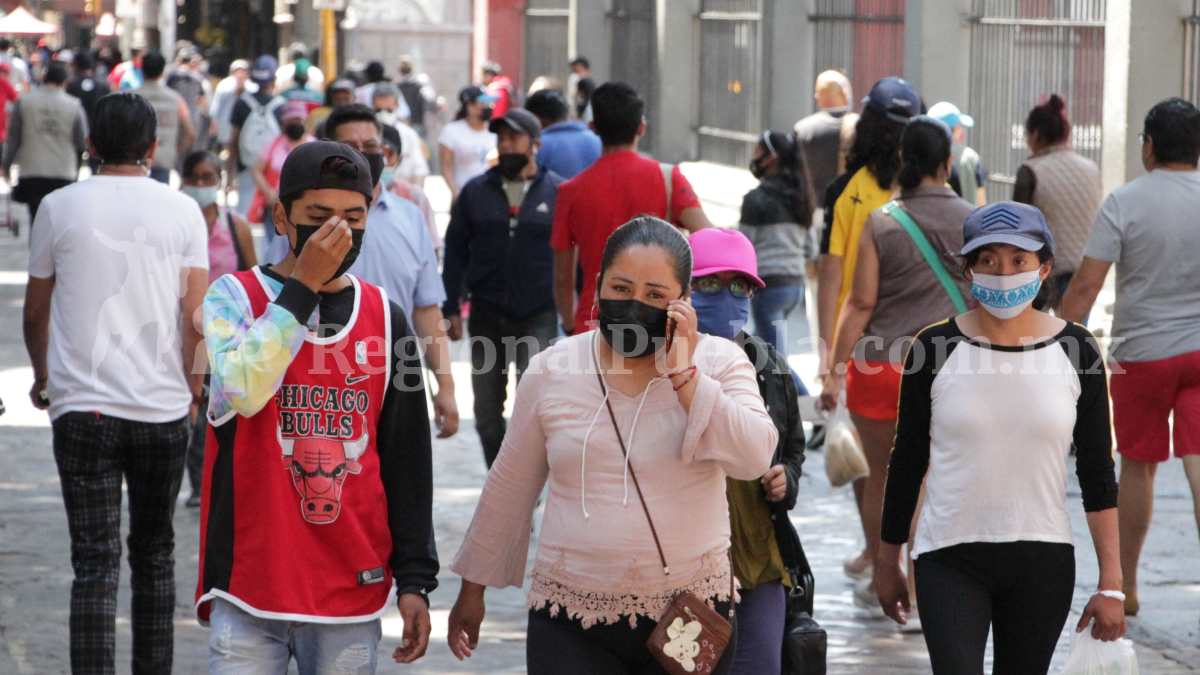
(1145,395)
(873,389)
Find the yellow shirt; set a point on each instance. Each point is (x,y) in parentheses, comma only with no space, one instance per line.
(861,196)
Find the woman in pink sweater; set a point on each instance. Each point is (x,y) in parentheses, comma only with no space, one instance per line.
(690,414)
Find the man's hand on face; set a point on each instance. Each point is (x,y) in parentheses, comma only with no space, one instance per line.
(323,253)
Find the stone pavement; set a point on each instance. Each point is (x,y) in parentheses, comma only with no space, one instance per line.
(35,571)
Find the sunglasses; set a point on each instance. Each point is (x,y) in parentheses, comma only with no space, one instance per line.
(738,286)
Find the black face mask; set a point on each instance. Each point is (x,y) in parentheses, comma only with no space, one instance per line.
(294,131)
(511,164)
(757,169)
(485,114)
(304,232)
(375,161)
(633,329)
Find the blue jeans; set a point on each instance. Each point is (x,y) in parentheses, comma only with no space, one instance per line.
(770,307)
(243,644)
(760,616)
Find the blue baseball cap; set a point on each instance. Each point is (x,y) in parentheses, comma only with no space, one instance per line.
(264,69)
(895,97)
(1011,223)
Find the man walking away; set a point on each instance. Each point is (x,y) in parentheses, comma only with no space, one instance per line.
(123,262)
(568,146)
(88,88)
(1148,230)
(255,122)
(621,184)
(967,175)
(418,92)
(498,254)
(46,136)
(826,135)
(175,132)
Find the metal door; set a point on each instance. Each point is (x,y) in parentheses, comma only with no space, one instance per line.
(732,92)
(634,60)
(1021,52)
(545,44)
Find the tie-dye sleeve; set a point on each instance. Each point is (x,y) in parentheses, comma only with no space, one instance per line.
(248,356)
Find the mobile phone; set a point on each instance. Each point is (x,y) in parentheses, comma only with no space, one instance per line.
(670,332)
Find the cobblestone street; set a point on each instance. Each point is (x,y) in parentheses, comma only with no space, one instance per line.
(35,572)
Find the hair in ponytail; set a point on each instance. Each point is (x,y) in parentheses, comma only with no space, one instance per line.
(924,149)
(786,151)
(1049,121)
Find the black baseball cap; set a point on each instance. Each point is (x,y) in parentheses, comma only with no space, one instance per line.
(519,120)
(308,167)
(473,93)
(894,97)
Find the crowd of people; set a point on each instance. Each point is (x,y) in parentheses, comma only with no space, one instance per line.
(650,350)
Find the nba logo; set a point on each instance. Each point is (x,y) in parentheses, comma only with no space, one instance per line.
(360,353)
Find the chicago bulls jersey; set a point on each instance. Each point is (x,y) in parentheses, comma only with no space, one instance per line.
(295,519)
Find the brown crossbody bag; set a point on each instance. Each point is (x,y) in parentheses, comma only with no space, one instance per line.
(690,637)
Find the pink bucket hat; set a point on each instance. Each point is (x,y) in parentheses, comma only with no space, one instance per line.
(718,249)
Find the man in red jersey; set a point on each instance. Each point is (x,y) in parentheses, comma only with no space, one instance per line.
(318,475)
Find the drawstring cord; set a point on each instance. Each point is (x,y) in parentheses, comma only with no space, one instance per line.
(632,432)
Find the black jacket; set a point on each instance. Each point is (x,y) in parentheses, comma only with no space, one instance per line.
(507,265)
(771,202)
(782,400)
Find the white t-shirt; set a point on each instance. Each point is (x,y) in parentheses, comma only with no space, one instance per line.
(118,248)
(412,157)
(470,148)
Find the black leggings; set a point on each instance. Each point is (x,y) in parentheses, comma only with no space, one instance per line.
(1022,590)
(555,645)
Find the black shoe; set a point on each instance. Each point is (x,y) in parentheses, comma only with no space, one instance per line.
(817,442)
(193,502)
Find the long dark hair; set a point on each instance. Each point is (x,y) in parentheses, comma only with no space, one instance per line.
(650,231)
(786,151)
(876,146)
(924,148)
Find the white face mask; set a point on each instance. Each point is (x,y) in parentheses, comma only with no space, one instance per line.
(204,195)
(1006,297)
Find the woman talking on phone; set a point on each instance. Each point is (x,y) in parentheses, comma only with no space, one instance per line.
(991,402)
(636,426)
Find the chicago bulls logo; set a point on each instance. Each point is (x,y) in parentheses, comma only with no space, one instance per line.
(319,467)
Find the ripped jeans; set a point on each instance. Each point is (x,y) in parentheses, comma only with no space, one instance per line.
(245,644)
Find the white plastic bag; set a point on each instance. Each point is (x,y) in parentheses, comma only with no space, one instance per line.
(844,457)
(1090,656)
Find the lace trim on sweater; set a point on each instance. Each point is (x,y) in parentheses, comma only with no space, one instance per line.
(555,591)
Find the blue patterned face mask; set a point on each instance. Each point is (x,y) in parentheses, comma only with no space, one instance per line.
(1005,297)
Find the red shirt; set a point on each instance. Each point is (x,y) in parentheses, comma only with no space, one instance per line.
(617,188)
(8,93)
(295,525)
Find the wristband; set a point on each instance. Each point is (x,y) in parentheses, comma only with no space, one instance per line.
(1115,595)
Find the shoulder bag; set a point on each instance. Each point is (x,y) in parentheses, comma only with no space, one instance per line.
(690,637)
(897,212)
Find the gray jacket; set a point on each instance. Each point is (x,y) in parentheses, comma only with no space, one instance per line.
(47,132)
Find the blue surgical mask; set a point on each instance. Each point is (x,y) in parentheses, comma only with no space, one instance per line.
(721,313)
(388,176)
(204,195)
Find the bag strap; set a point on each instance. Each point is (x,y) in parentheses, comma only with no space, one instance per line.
(638,488)
(668,171)
(897,212)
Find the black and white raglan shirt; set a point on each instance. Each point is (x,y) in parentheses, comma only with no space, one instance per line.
(989,428)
